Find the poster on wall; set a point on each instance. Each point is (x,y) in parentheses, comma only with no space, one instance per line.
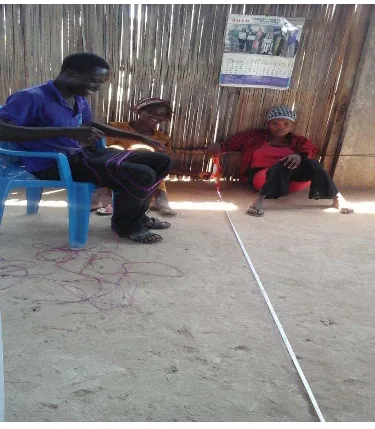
(260,51)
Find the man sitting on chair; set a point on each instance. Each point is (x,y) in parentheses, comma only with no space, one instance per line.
(48,118)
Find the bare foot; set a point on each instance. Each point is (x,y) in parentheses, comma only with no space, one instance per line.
(255,211)
(105,211)
(162,206)
(256,208)
(341,204)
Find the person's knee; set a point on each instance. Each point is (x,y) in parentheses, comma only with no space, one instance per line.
(164,161)
(277,169)
(164,157)
(312,163)
(143,175)
(148,177)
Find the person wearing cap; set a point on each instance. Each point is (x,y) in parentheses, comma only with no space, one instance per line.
(285,157)
(151,112)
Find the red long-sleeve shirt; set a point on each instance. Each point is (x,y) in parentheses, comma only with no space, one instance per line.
(248,142)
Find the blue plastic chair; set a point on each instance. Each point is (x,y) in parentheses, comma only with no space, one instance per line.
(13,175)
(2,401)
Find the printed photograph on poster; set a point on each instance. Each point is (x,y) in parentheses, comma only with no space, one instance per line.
(260,51)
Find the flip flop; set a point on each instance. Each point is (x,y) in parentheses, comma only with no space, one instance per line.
(94,209)
(105,211)
(144,237)
(346,210)
(157,224)
(253,211)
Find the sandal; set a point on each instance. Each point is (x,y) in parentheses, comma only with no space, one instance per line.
(95,208)
(157,224)
(144,237)
(256,212)
(346,210)
(105,211)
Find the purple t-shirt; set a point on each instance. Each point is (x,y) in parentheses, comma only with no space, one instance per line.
(43,106)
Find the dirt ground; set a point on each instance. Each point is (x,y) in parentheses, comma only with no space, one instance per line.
(193,340)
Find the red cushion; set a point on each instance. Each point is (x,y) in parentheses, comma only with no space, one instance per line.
(260,180)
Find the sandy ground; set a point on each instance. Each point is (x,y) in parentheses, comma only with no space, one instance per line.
(197,342)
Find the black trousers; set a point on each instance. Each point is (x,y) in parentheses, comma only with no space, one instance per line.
(278,179)
(131,175)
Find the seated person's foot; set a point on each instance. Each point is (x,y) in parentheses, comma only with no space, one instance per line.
(105,211)
(255,211)
(256,207)
(143,236)
(341,204)
(95,199)
(95,207)
(162,206)
(153,223)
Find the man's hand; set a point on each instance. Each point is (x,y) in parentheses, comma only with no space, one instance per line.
(84,133)
(127,135)
(158,146)
(214,149)
(95,135)
(292,161)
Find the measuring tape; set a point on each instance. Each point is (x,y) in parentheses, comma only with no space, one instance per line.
(216,175)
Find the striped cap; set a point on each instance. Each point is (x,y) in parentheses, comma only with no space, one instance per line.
(281,112)
(145,102)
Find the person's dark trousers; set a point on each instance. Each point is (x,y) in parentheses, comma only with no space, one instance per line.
(279,177)
(131,176)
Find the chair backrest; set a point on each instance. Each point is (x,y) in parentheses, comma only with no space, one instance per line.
(6,160)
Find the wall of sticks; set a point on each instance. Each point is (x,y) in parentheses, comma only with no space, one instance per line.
(174,52)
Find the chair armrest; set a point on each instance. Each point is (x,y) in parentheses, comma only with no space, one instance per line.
(62,160)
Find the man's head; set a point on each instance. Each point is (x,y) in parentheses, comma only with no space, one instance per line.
(84,73)
(281,121)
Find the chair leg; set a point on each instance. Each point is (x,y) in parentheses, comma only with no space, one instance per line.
(72,213)
(79,220)
(4,191)
(83,214)
(33,196)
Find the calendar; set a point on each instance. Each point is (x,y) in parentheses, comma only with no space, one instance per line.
(260,51)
